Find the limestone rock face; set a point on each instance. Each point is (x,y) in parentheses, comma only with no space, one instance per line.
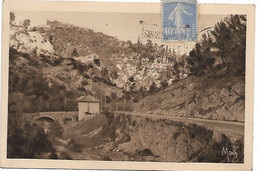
(217,98)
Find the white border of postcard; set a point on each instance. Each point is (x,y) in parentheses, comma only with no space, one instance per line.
(135,7)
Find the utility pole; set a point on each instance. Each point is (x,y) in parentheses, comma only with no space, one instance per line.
(187,86)
(105,101)
(141,22)
(116,103)
(101,102)
(187,144)
(124,98)
(65,100)
(137,106)
(65,103)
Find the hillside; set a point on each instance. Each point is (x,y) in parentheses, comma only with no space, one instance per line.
(216,98)
(67,61)
(41,80)
(121,59)
(52,65)
(137,138)
(141,92)
(215,88)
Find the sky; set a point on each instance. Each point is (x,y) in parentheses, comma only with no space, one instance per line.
(125,26)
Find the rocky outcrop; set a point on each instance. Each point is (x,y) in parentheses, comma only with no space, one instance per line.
(154,139)
(216,98)
(29,41)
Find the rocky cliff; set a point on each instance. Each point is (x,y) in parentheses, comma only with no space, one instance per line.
(212,98)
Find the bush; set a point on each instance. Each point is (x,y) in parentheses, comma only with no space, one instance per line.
(26,141)
(176,135)
(213,151)
(200,131)
(65,155)
(109,115)
(56,129)
(133,123)
(97,62)
(75,147)
(107,158)
(146,152)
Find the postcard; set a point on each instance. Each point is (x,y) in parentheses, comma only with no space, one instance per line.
(129,86)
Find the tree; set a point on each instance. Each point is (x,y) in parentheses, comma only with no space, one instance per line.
(223,52)
(104,72)
(164,84)
(129,43)
(142,91)
(26,23)
(153,88)
(113,95)
(97,61)
(149,45)
(230,38)
(131,79)
(114,75)
(26,140)
(12,18)
(74,53)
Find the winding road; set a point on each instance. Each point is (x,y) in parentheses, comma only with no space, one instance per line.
(234,130)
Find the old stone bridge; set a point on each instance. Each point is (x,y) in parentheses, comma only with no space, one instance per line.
(60,116)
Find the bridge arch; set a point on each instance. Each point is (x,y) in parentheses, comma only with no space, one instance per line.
(44,119)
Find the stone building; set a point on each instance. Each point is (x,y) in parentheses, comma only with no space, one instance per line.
(87,106)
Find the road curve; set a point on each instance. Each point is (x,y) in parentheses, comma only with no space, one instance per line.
(233,130)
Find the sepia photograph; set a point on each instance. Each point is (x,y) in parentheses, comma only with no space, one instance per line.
(122,86)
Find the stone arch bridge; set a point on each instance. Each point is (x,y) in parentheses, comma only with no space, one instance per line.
(60,116)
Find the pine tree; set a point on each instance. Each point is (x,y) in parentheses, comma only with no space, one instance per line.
(222,52)
(12,18)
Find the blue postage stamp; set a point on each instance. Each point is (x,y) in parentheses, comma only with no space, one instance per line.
(179,20)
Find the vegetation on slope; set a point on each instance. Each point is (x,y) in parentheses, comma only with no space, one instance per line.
(216,85)
(49,69)
(125,137)
(223,52)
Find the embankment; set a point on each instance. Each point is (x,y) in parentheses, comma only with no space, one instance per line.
(212,98)
(135,138)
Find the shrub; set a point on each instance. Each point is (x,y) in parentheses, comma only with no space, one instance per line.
(75,147)
(84,83)
(176,135)
(213,151)
(107,158)
(97,61)
(26,140)
(133,123)
(65,155)
(146,152)
(109,115)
